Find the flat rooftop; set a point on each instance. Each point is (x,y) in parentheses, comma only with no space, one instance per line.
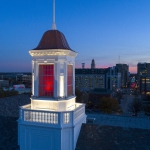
(121,121)
(97,137)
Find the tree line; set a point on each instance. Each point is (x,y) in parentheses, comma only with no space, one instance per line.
(106,104)
(7,93)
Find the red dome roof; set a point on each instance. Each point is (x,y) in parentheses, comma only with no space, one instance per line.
(53,39)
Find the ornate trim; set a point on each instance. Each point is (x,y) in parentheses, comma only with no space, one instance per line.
(52,52)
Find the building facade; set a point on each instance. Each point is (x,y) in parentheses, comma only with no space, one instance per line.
(26,78)
(145,85)
(143,68)
(143,72)
(87,79)
(4,83)
(123,69)
(110,78)
(113,78)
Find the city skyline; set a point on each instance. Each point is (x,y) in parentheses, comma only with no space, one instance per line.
(101,30)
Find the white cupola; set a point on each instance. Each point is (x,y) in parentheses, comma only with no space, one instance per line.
(53,119)
(53,76)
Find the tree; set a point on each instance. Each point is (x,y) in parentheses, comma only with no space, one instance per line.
(147,98)
(109,105)
(135,106)
(119,95)
(147,110)
(85,97)
(78,95)
(7,93)
(81,97)
(1,93)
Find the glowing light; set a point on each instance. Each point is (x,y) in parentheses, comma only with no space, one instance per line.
(46,80)
(61,86)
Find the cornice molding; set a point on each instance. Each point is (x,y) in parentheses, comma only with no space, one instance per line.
(53,52)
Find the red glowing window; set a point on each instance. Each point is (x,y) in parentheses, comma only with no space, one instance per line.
(46,80)
(70,80)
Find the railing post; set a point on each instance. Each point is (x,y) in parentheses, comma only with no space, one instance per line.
(22,112)
(72,116)
(60,118)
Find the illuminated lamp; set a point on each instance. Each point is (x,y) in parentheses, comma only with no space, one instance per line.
(61,85)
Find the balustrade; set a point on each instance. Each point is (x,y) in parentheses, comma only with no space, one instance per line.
(40,116)
(51,117)
(79,112)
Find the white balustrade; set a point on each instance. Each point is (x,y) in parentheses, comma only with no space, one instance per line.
(66,118)
(79,112)
(51,117)
(40,116)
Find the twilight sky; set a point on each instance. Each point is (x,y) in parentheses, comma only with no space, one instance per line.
(99,29)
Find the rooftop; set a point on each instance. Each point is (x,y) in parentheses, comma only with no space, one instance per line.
(100,137)
(53,39)
(121,121)
(90,71)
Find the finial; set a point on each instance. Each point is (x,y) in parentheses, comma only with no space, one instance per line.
(53,24)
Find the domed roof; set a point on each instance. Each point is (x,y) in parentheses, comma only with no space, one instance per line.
(53,39)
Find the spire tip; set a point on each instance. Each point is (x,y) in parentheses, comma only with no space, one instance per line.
(53,24)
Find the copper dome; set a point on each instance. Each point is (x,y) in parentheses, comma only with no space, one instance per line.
(53,39)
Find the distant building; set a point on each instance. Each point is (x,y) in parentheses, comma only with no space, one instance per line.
(110,78)
(123,69)
(113,78)
(19,87)
(14,76)
(26,78)
(93,64)
(145,84)
(83,65)
(86,79)
(143,68)
(4,83)
(143,72)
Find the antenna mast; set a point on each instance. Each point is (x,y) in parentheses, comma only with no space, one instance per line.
(53,23)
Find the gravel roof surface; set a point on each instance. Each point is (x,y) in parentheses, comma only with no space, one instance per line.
(9,113)
(96,137)
(120,121)
(9,106)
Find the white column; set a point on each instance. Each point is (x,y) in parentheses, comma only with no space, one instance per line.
(36,78)
(65,79)
(33,77)
(61,79)
(73,78)
(61,85)
(56,78)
